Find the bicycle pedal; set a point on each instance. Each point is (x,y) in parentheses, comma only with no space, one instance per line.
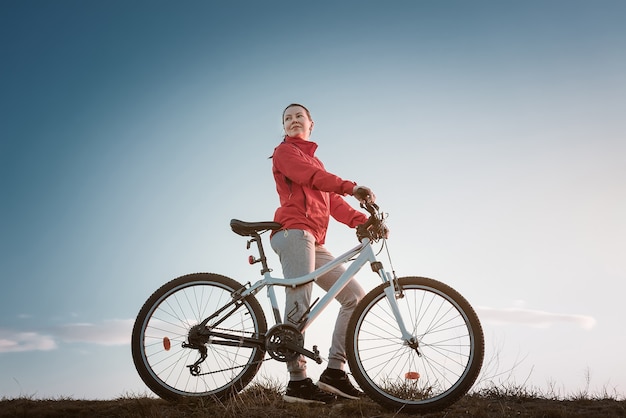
(316,355)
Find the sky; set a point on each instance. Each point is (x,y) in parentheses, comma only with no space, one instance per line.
(492,133)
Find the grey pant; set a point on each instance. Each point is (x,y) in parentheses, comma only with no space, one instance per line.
(299,255)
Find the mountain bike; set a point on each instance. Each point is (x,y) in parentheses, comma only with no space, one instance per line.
(413,343)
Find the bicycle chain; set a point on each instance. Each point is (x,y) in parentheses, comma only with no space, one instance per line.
(235,367)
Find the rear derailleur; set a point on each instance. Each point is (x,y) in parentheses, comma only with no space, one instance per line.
(197,340)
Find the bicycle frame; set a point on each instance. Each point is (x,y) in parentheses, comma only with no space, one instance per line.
(364,254)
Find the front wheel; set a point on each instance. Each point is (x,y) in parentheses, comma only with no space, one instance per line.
(159,341)
(427,377)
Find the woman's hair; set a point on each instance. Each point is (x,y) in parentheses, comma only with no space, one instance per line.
(296,104)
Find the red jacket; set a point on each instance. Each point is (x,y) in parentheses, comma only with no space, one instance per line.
(308,193)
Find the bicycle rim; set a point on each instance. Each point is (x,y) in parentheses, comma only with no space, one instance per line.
(162,327)
(451,346)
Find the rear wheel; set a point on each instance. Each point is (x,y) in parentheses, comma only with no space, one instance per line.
(435,374)
(162,327)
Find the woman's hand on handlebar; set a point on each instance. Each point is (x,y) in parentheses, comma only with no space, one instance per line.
(364,194)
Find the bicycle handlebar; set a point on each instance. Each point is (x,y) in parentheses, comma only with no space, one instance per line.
(374,228)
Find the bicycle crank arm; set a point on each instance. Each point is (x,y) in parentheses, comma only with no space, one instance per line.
(315,354)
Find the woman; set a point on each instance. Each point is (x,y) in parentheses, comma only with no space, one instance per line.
(309,195)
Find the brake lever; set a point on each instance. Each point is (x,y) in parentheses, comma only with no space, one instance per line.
(371,207)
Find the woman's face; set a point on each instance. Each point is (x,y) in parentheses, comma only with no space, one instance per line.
(296,123)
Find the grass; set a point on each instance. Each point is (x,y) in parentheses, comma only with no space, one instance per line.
(264,400)
(494,395)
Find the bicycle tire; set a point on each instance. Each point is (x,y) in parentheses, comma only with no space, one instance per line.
(392,373)
(162,326)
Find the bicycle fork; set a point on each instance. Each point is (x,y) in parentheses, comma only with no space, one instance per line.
(393,291)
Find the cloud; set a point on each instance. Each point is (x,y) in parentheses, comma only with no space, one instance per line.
(12,341)
(107,332)
(536,318)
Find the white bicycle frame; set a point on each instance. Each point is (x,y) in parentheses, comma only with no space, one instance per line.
(365,254)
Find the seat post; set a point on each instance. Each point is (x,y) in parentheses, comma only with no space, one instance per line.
(256,237)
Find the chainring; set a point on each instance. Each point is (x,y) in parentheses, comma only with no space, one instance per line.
(278,337)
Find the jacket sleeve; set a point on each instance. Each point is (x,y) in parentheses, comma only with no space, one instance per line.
(294,165)
(344,213)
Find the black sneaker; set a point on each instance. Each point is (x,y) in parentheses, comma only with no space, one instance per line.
(306,392)
(337,382)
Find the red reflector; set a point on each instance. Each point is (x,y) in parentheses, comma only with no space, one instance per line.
(167,344)
(411,375)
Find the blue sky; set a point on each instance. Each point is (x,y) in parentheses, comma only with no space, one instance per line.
(132,132)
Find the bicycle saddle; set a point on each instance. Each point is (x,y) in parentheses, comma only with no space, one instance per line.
(249,228)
